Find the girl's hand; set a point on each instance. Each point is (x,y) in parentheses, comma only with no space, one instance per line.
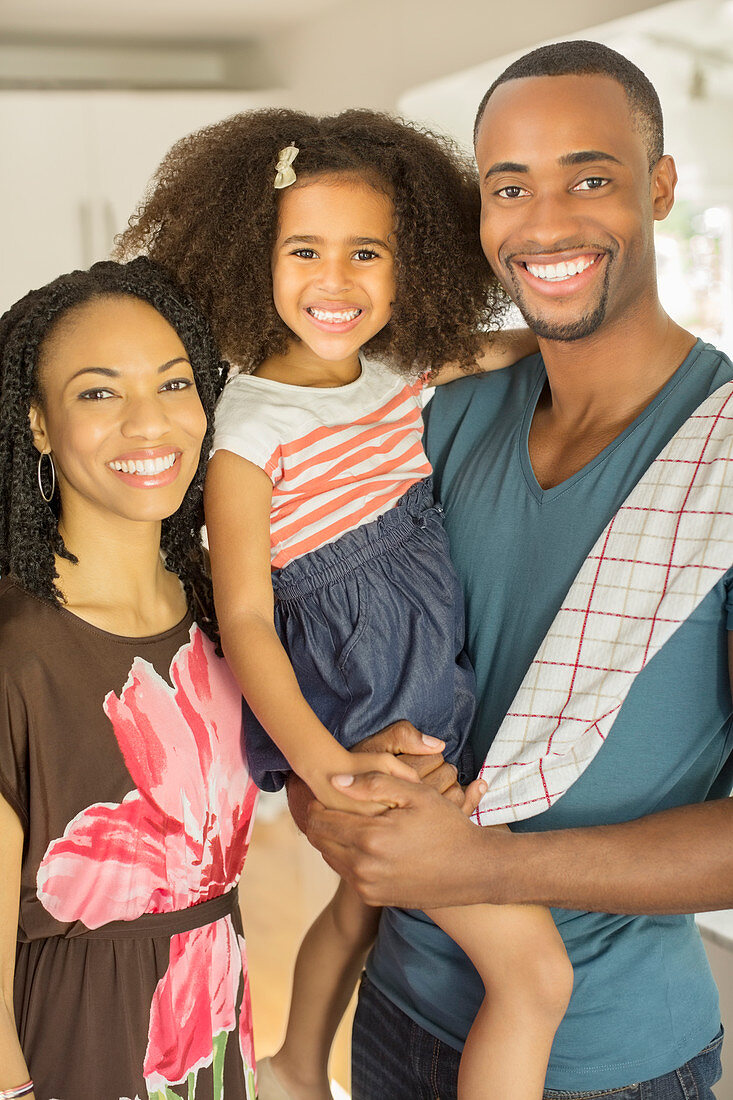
(330,783)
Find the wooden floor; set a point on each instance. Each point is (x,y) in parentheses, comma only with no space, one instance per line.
(284,886)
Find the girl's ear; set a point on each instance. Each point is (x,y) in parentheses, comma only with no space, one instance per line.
(38,427)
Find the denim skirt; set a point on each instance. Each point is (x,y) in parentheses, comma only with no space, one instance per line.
(373,624)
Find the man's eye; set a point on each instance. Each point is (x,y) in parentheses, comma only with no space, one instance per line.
(512,191)
(591,183)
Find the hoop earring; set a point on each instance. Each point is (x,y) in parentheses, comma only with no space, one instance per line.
(42,455)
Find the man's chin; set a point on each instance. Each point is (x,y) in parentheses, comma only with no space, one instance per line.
(568,332)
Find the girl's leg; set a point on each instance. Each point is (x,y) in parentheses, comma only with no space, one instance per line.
(528,979)
(328,966)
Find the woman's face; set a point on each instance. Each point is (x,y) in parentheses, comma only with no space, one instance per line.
(119,412)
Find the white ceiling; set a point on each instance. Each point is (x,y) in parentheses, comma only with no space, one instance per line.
(167,19)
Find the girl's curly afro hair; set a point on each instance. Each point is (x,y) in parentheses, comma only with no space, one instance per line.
(210,217)
(29,535)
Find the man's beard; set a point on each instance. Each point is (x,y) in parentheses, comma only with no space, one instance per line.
(567,330)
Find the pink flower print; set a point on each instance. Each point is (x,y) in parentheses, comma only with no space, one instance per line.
(246,1041)
(179,839)
(195,1000)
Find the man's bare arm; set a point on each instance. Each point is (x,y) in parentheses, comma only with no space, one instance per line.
(425,853)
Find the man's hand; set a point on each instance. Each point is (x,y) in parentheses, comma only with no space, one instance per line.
(406,856)
(419,750)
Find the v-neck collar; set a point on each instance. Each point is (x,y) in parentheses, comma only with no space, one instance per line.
(544,496)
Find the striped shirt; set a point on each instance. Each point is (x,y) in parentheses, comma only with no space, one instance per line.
(337,457)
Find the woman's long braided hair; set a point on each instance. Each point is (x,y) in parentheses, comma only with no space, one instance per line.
(29,535)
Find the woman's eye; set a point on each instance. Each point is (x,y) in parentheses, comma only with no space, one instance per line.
(176,384)
(511,191)
(591,183)
(95,395)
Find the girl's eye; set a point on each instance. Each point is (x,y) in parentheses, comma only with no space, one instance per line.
(366,254)
(305,253)
(591,183)
(511,191)
(95,395)
(176,384)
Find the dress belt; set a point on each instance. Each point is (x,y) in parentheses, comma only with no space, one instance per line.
(152,925)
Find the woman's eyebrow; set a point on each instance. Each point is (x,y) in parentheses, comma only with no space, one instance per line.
(110,372)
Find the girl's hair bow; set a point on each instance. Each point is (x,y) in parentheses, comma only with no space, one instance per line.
(284,173)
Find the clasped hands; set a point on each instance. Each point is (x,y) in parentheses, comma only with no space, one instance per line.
(422,852)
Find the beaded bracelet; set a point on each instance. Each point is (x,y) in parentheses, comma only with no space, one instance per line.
(19,1090)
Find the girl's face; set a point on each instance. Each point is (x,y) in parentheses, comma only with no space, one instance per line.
(120,412)
(333,265)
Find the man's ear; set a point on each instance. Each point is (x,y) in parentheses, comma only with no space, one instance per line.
(663,183)
(38,427)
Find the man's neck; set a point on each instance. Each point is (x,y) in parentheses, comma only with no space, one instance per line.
(598,386)
(617,371)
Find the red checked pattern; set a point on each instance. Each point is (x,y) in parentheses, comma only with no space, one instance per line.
(663,551)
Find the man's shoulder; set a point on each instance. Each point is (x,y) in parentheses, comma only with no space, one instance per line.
(490,389)
(715,362)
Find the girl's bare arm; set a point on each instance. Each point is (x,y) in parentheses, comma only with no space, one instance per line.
(501,349)
(238,498)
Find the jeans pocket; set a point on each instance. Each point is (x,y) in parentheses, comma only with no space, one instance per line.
(627,1092)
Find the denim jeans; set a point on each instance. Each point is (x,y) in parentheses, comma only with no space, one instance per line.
(393,1058)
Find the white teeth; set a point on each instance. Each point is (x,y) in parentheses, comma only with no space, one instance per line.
(147,466)
(556,272)
(334,317)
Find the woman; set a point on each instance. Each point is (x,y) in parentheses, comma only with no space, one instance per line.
(125,800)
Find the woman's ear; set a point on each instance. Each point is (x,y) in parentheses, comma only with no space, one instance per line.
(38,427)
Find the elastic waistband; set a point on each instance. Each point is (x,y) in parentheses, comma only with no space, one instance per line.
(151,925)
(336,560)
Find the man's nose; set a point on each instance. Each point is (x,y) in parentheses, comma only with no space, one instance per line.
(551,221)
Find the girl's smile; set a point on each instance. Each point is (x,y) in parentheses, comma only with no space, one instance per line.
(333,268)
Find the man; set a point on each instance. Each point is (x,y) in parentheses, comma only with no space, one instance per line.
(531,464)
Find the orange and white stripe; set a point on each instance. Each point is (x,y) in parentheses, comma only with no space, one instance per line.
(337,458)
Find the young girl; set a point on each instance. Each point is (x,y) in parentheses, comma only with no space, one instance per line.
(339,260)
(125,800)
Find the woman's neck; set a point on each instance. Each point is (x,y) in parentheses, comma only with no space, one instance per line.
(299,366)
(120,582)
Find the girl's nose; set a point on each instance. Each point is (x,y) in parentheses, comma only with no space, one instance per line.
(334,276)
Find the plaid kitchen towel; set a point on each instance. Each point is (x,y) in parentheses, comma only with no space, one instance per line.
(663,551)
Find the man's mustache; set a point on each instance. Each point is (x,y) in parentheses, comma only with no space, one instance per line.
(608,248)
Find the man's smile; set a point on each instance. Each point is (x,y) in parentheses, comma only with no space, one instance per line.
(556,275)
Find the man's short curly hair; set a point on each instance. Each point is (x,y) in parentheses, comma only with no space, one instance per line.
(582,57)
(29,535)
(211,218)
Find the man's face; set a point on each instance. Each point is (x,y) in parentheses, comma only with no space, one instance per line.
(568,202)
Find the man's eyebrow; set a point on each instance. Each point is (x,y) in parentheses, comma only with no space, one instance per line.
(569,160)
(109,372)
(506,166)
(586,156)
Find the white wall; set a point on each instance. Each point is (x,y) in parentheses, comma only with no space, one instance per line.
(368,54)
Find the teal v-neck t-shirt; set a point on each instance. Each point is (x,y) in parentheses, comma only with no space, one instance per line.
(644,1001)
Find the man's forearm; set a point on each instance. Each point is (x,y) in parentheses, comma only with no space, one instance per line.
(677,861)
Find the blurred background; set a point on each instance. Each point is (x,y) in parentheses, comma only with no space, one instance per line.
(92,94)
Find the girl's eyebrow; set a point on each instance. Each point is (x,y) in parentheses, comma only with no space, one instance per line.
(109,372)
(305,238)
